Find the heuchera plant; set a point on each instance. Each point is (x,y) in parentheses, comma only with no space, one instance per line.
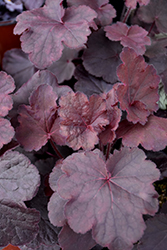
(83,127)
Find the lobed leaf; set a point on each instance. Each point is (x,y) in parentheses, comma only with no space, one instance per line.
(82,119)
(138,94)
(89,84)
(109,197)
(6,132)
(152,136)
(155,12)
(6,87)
(19,179)
(39,78)
(105,12)
(47,28)
(155,234)
(133,37)
(16,63)
(64,68)
(38,121)
(69,240)
(132,3)
(19,225)
(101,58)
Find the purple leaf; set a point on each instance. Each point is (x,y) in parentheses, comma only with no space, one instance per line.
(157,48)
(39,78)
(108,135)
(32,4)
(56,203)
(133,37)
(64,68)
(82,119)
(38,121)
(101,58)
(47,28)
(138,94)
(89,84)
(56,210)
(16,63)
(132,3)
(6,132)
(6,87)
(114,115)
(160,63)
(105,12)
(69,240)
(109,197)
(155,11)
(47,237)
(155,234)
(152,136)
(19,179)
(18,225)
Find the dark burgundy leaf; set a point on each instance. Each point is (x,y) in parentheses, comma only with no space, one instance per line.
(132,3)
(18,225)
(164,208)
(160,159)
(109,197)
(152,136)
(69,240)
(138,94)
(64,68)
(101,58)
(47,28)
(32,4)
(6,87)
(105,11)
(6,132)
(38,121)
(19,179)
(48,234)
(133,37)
(160,63)
(16,63)
(39,78)
(155,234)
(158,46)
(155,11)
(89,84)
(82,119)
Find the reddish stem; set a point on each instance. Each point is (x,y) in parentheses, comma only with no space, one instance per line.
(127,15)
(55,149)
(152,26)
(108,150)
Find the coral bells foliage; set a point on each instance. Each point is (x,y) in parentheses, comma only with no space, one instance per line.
(82,132)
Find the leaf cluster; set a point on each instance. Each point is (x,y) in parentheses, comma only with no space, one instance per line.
(82,132)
